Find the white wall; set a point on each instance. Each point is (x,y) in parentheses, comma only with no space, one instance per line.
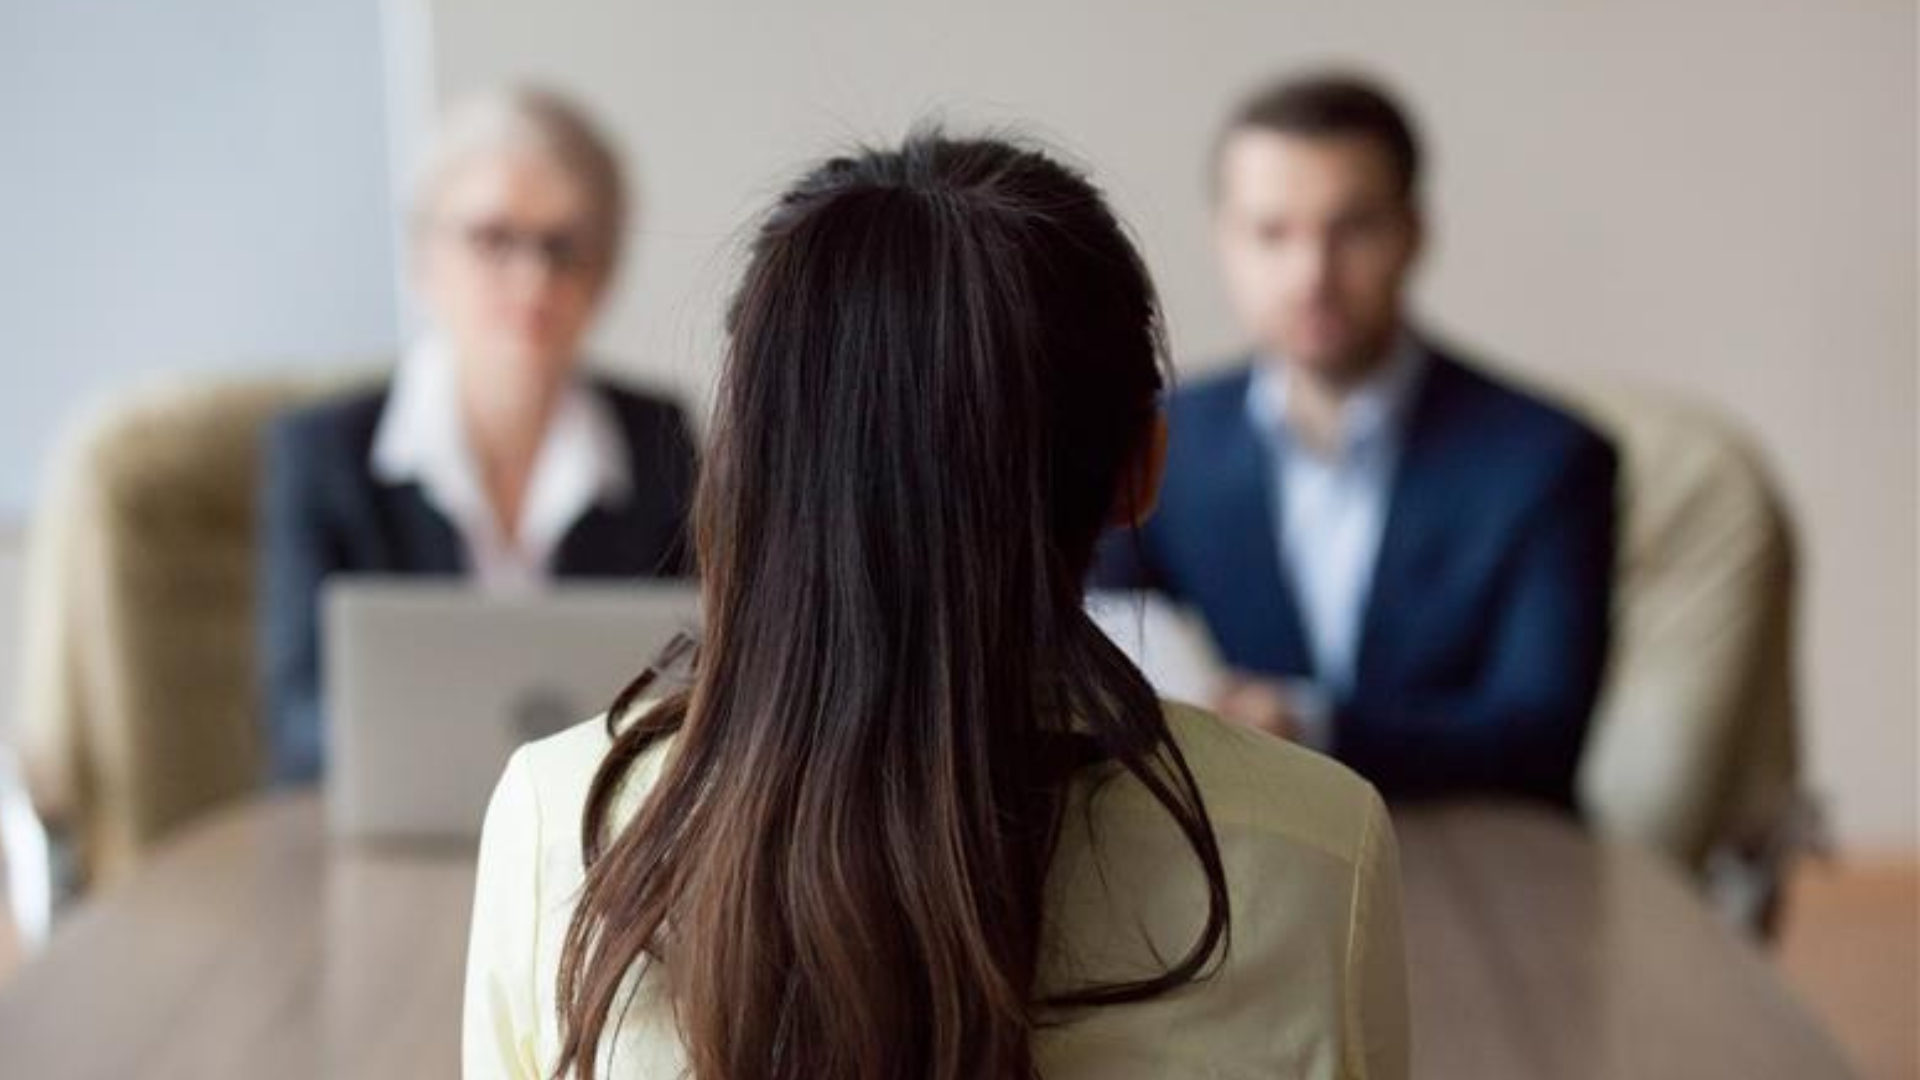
(1718,195)
(199,184)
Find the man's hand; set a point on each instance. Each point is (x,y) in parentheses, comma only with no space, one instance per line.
(1258,703)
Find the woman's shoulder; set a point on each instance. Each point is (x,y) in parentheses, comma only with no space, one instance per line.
(558,771)
(1310,971)
(347,415)
(569,757)
(320,449)
(1263,784)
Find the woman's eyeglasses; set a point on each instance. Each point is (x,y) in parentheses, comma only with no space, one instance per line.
(559,251)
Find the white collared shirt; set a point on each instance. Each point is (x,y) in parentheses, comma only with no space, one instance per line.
(422,439)
(1332,508)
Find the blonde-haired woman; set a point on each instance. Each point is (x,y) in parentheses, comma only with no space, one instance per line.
(490,453)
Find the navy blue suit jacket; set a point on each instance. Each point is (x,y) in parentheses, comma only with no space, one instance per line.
(324,512)
(1486,627)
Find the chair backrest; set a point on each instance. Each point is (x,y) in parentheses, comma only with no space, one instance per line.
(138,705)
(1694,750)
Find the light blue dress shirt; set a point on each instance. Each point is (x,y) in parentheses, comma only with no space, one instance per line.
(1331,509)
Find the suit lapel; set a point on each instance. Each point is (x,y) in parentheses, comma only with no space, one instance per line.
(1249,552)
(604,542)
(1425,492)
(424,540)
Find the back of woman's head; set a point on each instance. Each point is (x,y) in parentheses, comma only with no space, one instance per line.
(943,369)
(928,336)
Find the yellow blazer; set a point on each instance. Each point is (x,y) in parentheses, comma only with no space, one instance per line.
(1313,985)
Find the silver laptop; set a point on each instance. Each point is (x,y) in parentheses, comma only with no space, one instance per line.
(430,685)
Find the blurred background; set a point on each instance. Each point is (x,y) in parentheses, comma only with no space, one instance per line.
(1717,199)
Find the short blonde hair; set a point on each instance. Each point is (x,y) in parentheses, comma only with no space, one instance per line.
(532,117)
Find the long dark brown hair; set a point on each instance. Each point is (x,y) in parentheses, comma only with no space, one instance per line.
(944,362)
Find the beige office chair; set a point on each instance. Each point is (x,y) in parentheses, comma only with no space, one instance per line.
(138,690)
(1694,750)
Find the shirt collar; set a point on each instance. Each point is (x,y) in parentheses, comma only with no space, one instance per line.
(421,439)
(1375,410)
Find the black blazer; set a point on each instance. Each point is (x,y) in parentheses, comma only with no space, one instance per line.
(324,512)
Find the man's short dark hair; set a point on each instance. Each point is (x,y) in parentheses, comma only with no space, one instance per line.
(1331,104)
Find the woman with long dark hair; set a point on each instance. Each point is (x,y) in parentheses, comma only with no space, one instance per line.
(909,814)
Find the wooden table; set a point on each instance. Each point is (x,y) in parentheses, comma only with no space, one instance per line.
(1534,951)
(250,948)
